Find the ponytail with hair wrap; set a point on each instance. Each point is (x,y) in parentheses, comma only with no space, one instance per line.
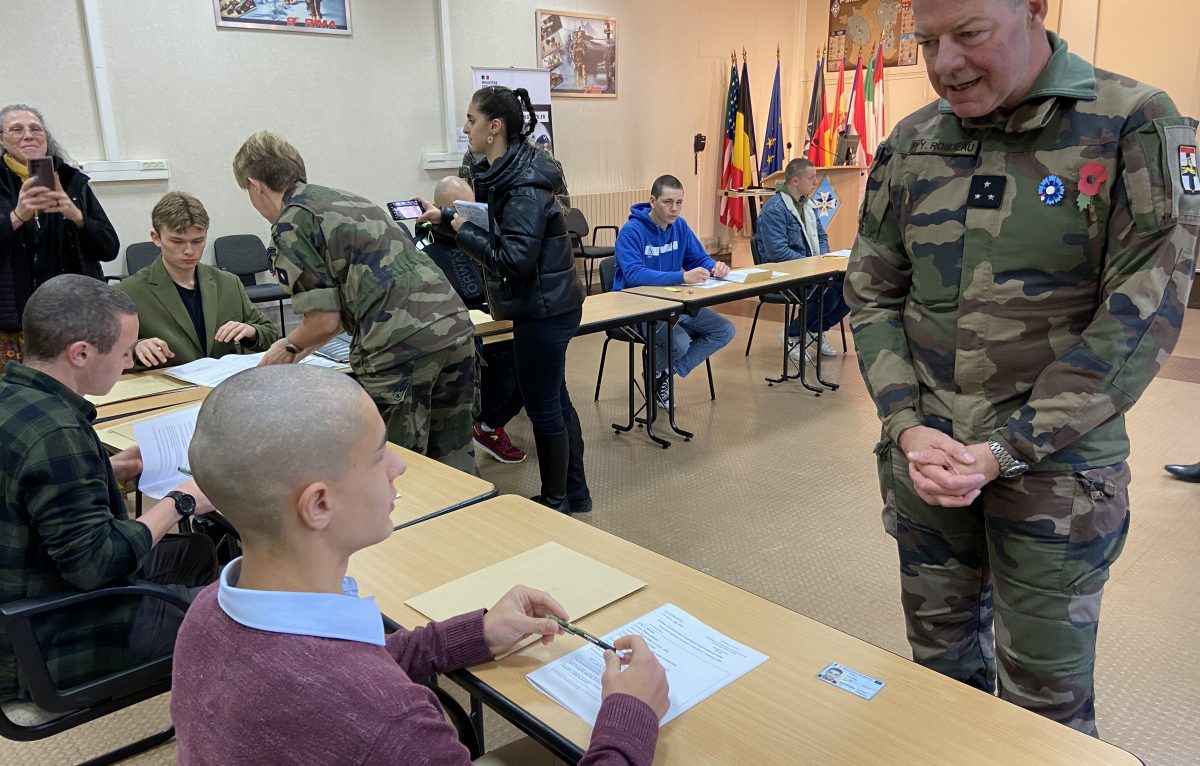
(512,107)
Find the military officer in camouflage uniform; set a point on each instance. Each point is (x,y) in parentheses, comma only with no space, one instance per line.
(1024,254)
(348,265)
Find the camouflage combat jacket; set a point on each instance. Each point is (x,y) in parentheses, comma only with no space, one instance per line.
(990,301)
(340,252)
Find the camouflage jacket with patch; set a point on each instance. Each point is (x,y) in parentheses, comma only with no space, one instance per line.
(336,251)
(989,301)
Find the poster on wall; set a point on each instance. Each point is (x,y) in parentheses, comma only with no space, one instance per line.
(537,82)
(579,52)
(858,27)
(329,17)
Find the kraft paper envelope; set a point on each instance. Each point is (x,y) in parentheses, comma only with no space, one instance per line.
(581,584)
(138,387)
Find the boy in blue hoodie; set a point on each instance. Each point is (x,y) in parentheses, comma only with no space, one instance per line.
(657,247)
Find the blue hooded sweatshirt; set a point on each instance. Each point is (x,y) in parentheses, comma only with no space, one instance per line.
(648,254)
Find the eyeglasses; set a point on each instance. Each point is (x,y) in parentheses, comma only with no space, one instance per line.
(16,131)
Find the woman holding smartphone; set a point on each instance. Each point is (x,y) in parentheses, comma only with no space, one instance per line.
(50,222)
(529,275)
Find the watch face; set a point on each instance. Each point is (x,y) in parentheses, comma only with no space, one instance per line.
(185,504)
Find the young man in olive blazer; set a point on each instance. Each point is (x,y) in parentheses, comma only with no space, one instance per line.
(187,310)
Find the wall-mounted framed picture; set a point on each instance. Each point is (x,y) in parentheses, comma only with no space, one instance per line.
(326,17)
(579,52)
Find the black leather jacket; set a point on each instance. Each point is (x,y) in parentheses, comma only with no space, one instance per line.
(51,245)
(529,268)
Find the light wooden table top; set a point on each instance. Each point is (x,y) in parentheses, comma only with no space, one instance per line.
(779,712)
(428,489)
(116,412)
(612,309)
(798,271)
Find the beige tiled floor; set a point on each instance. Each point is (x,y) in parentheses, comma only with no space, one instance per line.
(777,494)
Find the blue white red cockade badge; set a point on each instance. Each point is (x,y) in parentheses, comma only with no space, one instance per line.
(1051,190)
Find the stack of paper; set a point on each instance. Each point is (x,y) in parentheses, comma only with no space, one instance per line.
(474,212)
(136,387)
(581,584)
(211,372)
(699,662)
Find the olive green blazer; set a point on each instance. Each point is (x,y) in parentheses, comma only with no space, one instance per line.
(161,313)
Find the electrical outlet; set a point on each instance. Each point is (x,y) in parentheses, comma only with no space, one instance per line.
(154,164)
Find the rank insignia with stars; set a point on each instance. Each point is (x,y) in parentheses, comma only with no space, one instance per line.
(987,191)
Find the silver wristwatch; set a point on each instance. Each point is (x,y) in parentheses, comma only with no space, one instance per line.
(1010,467)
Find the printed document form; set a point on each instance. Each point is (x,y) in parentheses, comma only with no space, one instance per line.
(699,662)
(164,444)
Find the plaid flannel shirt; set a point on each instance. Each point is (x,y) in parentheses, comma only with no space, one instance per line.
(63,526)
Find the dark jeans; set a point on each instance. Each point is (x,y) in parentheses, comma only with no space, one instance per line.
(499,394)
(540,358)
(184,564)
(823,313)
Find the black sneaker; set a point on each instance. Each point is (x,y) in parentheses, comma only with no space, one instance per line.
(662,390)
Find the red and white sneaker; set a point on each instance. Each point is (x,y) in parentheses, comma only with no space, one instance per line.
(497,444)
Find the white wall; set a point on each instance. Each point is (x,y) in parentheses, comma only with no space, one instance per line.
(363,109)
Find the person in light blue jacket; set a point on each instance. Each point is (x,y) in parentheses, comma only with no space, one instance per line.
(789,228)
(657,247)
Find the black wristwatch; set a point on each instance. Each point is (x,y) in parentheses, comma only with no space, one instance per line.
(290,347)
(185,504)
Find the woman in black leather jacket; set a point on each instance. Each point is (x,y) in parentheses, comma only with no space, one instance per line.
(44,232)
(529,275)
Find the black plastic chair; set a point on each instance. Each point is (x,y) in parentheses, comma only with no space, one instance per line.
(92,699)
(577,227)
(138,256)
(777,299)
(630,335)
(245,256)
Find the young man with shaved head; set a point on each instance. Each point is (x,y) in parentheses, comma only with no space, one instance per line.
(1024,254)
(280,661)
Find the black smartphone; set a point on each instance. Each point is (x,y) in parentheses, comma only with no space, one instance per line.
(42,168)
(405,209)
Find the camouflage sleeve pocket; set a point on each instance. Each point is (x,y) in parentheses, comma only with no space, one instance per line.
(1160,174)
(877,197)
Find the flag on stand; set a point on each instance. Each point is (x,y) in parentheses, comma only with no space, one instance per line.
(731,207)
(747,112)
(772,156)
(876,130)
(816,118)
(856,121)
(835,119)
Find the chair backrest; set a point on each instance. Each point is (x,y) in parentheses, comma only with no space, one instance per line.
(241,254)
(756,249)
(577,223)
(608,270)
(139,255)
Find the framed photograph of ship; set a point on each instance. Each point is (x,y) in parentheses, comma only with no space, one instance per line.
(579,52)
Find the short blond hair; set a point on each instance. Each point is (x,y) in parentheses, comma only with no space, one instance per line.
(271,159)
(178,211)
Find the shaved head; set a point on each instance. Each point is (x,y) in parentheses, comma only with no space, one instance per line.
(450,189)
(267,433)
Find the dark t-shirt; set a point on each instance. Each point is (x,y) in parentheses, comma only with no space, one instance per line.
(191,302)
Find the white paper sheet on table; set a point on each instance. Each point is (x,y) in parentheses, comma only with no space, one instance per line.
(699,662)
(838,254)
(212,372)
(738,276)
(164,444)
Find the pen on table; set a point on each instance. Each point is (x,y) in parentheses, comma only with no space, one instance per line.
(184,471)
(578,631)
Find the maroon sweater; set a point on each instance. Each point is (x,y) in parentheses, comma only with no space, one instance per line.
(247,696)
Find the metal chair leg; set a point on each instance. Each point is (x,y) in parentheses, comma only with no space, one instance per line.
(600,373)
(712,391)
(753,325)
(842,324)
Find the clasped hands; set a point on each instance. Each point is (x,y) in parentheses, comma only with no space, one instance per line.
(525,612)
(944,471)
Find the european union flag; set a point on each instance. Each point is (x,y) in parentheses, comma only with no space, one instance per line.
(772,154)
(826,202)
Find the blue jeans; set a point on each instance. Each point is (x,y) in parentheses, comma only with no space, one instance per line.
(693,340)
(824,313)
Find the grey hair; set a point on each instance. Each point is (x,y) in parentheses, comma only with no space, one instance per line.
(53,147)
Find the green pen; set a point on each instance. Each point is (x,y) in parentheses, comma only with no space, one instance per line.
(578,631)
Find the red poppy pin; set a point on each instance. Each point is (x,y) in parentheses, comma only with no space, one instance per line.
(1091,177)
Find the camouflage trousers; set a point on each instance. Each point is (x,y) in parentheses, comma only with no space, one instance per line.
(427,404)
(1005,595)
